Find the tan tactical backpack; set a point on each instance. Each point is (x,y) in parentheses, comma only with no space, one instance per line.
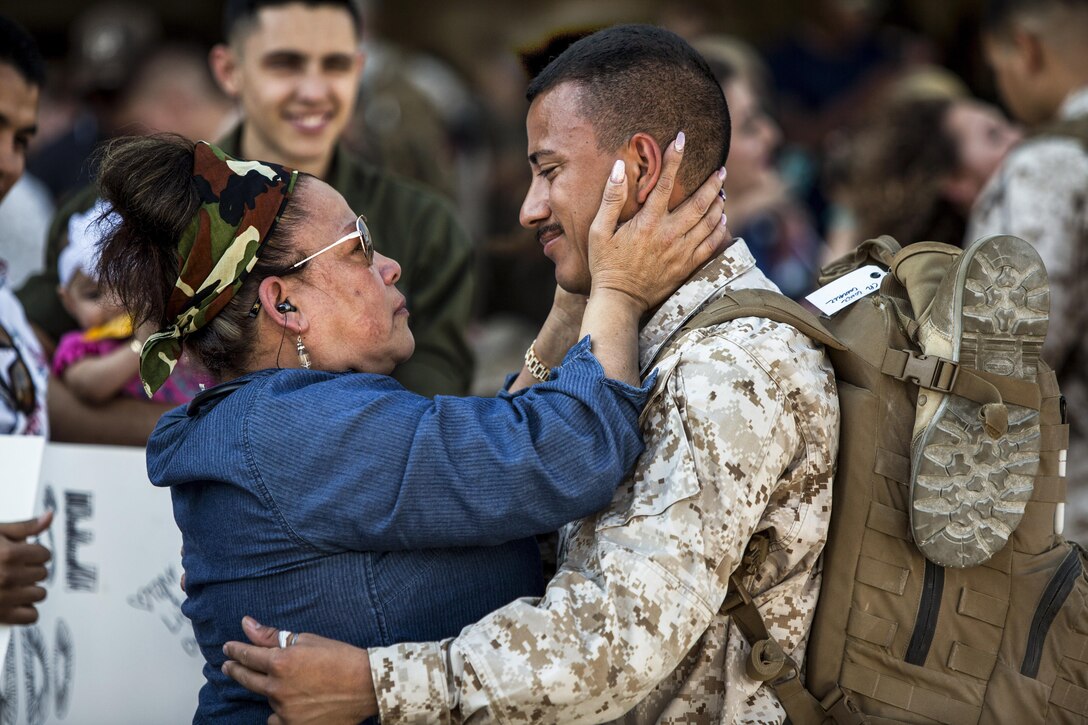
(990,632)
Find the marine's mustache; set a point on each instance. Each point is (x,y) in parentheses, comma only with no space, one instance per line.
(553,229)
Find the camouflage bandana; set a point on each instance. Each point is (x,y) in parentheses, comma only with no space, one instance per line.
(241,201)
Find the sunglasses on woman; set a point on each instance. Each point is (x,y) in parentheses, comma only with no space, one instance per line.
(362,233)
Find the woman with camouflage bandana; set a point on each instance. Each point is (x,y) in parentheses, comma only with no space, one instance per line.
(311,489)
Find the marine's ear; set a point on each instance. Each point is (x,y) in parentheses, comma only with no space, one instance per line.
(645,158)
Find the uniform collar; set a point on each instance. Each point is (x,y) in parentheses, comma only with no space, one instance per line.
(703,286)
(231,142)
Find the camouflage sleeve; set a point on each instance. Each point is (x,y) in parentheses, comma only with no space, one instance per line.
(639,584)
(1042,197)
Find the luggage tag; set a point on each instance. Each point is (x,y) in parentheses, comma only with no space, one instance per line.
(846,290)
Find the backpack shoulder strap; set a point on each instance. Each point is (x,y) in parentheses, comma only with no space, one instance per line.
(769,663)
(773,306)
(766,304)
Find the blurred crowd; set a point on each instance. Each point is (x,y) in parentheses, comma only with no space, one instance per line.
(848,122)
(822,107)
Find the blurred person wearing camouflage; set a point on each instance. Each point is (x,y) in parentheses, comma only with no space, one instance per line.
(1037,51)
(741,435)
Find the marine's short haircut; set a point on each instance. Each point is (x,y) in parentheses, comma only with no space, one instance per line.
(239,15)
(18,49)
(641,78)
(1000,14)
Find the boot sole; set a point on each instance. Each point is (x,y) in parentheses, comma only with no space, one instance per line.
(968,490)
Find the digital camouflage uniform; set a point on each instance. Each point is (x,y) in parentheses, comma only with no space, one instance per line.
(741,436)
(1040,194)
(410,224)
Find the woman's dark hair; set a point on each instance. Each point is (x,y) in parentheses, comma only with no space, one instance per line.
(899,165)
(148,180)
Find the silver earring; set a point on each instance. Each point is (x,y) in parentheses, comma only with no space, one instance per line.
(303,353)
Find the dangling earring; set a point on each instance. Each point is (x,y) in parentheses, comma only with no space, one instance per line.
(303,354)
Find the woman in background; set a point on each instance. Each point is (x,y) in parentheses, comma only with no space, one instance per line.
(762,209)
(915,171)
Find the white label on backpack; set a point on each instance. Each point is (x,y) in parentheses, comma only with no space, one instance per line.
(847,290)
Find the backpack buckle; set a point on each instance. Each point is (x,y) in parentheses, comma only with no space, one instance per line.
(933,373)
(842,708)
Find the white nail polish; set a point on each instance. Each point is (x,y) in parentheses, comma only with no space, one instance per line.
(617,171)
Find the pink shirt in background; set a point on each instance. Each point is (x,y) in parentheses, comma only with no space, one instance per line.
(181,387)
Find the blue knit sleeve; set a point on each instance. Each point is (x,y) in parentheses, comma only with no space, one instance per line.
(367,465)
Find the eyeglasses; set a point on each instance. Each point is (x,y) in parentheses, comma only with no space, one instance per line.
(362,233)
(18,388)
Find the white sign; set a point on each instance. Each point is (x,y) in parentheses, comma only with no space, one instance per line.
(22,462)
(111,645)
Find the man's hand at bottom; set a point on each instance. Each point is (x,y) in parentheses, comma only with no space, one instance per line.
(311,680)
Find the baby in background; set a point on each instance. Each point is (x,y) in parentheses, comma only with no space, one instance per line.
(101,361)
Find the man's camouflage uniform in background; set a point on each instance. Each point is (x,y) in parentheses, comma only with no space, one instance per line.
(1040,194)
